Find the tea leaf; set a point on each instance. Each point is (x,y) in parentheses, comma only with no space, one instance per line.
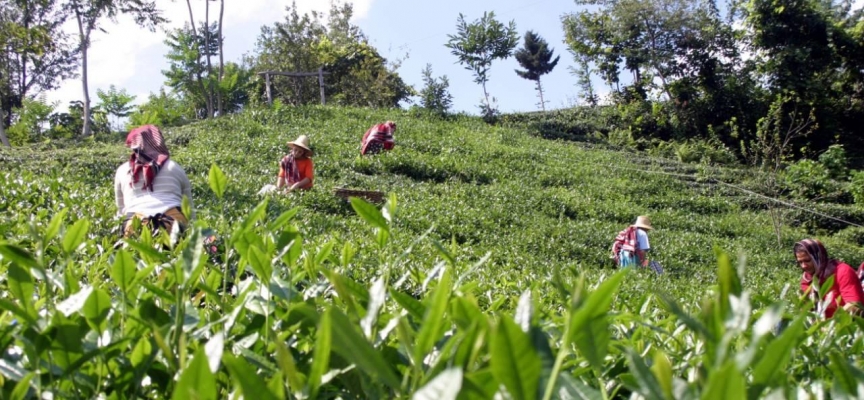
(369,213)
(283,219)
(252,386)
(351,345)
(217,180)
(123,271)
(18,255)
(320,354)
(725,383)
(433,320)
(21,286)
(648,385)
(196,381)
(514,362)
(54,226)
(75,235)
(445,386)
(96,309)
(772,364)
(22,388)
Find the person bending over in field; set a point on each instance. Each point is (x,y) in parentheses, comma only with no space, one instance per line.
(151,186)
(631,246)
(378,137)
(846,291)
(296,169)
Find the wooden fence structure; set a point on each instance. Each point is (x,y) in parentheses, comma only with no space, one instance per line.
(320,74)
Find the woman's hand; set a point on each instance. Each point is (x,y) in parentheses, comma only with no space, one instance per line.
(856,309)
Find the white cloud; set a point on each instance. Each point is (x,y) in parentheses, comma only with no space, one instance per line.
(132,58)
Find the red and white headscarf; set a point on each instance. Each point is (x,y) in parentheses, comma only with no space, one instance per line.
(149,154)
(379,133)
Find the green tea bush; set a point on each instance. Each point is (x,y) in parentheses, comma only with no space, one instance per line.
(491,251)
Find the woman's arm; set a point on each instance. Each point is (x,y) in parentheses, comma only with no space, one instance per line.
(118,193)
(643,257)
(301,183)
(850,290)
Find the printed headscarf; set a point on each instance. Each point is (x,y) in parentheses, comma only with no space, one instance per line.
(149,154)
(825,267)
(289,165)
(379,133)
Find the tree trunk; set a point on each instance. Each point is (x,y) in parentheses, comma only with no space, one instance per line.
(486,95)
(209,94)
(85,44)
(221,106)
(198,61)
(3,138)
(540,89)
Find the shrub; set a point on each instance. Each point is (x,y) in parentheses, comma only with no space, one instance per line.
(807,178)
(834,159)
(856,187)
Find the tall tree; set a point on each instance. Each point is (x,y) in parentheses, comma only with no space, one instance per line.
(195,50)
(35,53)
(219,105)
(478,43)
(536,57)
(90,14)
(187,74)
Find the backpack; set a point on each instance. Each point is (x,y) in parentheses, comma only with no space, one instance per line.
(626,240)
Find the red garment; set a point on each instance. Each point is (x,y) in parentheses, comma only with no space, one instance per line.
(847,288)
(377,137)
(303,169)
(626,240)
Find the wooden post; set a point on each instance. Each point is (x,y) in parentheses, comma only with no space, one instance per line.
(269,96)
(321,83)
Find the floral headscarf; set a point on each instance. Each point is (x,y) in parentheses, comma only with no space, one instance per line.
(149,154)
(824,266)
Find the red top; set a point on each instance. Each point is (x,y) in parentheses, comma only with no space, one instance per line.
(847,288)
(304,166)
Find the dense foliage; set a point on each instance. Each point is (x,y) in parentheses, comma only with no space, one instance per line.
(357,73)
(485,272)
(685,69)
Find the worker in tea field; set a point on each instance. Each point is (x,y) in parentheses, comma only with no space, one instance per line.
(378,137)
(846,291)
(151,186)
(296,170)
(631,246)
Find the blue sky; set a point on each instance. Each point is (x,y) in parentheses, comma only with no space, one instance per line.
(420,28)
(132,58)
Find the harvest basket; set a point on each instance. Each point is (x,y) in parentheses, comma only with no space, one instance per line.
(368,195)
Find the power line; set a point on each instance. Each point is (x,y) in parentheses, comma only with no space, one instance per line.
(779,201)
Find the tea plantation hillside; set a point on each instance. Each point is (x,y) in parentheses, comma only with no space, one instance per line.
(481,276)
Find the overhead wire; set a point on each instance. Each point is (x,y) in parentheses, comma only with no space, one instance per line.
(715,180)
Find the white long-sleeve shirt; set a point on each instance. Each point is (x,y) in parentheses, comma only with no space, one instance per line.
(169,187)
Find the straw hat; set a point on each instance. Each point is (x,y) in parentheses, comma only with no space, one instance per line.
(643,222)
(302,142)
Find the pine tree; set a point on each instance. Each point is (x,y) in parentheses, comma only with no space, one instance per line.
(536,57)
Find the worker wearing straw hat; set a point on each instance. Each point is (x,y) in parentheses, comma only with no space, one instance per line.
(634,245)
(296,169)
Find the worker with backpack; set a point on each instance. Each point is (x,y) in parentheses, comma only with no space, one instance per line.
(631,245)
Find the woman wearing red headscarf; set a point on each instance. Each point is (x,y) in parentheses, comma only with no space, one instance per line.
(378,137)
(151,186)
(846,291)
